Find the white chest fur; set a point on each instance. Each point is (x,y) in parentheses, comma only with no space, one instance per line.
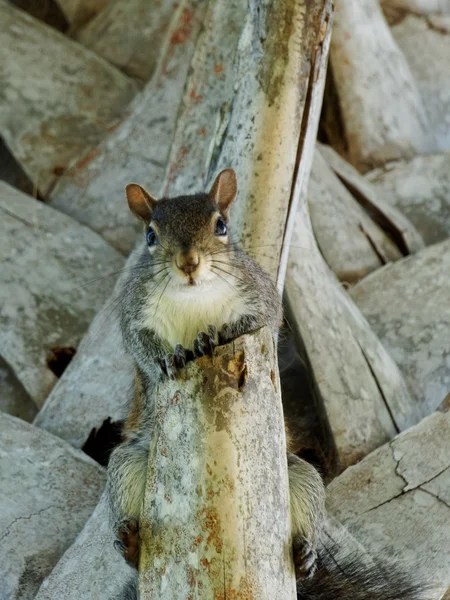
(180,314)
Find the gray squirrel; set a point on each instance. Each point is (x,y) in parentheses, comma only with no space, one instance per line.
(191,288)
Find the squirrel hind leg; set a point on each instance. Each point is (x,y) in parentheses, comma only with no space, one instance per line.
(307,503)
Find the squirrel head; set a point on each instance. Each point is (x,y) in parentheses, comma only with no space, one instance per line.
(186,234)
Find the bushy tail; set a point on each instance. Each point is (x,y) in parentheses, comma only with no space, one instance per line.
(129,592)
(352,579)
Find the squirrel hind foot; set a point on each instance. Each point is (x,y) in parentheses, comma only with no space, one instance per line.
(129,541)
(305,557)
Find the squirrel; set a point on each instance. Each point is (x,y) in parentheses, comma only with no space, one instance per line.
(191,288)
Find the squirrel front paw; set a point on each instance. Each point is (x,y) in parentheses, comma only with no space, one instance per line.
(226,334)
(170,364)
(205,343)
(128,543)
(305,556)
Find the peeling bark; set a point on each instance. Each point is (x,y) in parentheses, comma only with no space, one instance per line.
(213,522)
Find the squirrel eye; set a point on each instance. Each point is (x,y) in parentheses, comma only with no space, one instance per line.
(221,227)
(151,237)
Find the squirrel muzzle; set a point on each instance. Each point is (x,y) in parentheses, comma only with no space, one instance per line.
(188,262)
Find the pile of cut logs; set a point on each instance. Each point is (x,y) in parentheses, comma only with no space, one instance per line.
(337,123)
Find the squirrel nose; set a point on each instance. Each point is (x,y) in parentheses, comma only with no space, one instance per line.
(188,261)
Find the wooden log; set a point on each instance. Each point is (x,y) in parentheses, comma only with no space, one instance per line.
(415,330)
(92,190)
(91,567)
(52,283)
(421,7)
(382,111)
(396,502)
(401,229)
(351,243)
(97,384)
(130,34)
(78,12)
(213,523)
(14,399)
(209,95)
(355,374)
(47,492)
(420,188)
(49,115)
(429,68)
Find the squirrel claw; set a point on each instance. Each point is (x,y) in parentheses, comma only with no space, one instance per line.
(205,343)
(226,334)
(128,542)
(168,366)
(305,557)
(180,356)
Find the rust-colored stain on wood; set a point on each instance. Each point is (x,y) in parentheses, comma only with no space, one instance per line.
(244,592)
(211,524)
(81,164)
(196,98)
(182,33)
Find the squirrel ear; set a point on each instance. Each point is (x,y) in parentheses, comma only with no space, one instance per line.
(224,189)
(140,202)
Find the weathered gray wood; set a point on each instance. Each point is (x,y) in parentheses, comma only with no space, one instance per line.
(209,95)
(406,304)
(14,399)
(402,230)
(420,188)
(48,115)
(92,191)
(130,34)
(91,567)
(422,7)
(96,385)
(78,12)
(429,68)
(46,298)
(382,110)
(208,493)
(355,374)
(396,502)
(351,243)
(47,492)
